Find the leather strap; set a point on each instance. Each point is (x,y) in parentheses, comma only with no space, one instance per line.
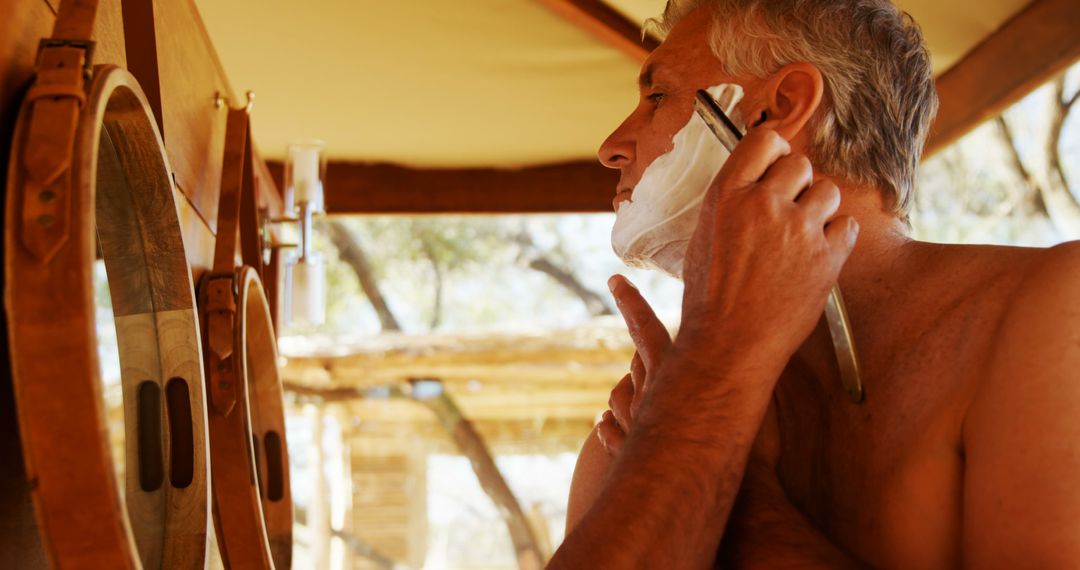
(56,98)
(75,20)
(221,286)
(247,421)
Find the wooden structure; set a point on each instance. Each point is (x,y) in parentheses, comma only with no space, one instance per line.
(119,165)
(109,161)
(523,393)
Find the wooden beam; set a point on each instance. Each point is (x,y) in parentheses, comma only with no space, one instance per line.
(366,188)
(607,24)
(1028,50)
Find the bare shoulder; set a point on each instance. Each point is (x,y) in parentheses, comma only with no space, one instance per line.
(1020,431)
(1035,347)
(1057,266)
(1046,303)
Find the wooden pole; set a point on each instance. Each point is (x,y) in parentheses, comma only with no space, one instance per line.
(318,511)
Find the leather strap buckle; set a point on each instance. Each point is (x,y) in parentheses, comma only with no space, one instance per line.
(55,100)
(86,45)
(221,292)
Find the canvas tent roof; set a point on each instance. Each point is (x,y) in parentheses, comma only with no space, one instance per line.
(466,83)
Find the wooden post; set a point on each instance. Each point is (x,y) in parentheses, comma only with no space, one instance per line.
(417,502)
(318,512)
(341,494)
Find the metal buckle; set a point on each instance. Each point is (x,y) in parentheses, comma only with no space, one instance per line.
(85,45)
(230,275)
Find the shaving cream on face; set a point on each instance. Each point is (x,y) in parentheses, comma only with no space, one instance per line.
(653,228)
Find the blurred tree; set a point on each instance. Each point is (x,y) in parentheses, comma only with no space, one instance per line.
(350,251)
(1049,192)
(450,247)
(548,264)
(1007,182)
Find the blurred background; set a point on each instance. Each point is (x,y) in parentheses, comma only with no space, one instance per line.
(508,315)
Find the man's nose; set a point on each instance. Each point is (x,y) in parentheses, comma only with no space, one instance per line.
(618,149)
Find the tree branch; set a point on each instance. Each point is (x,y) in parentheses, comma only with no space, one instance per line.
(351,253)
(429,253)
(537,261)
(1067,104)
(1058,182)
(594,303)
(1033,187)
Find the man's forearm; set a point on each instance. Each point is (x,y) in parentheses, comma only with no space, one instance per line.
(669,494)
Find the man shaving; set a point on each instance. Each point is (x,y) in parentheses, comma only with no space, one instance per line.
(736,442)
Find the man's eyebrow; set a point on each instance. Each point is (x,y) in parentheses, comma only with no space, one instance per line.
(646,77)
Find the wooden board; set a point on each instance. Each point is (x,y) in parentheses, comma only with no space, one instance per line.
(1030,49)
(607,24)
(194,126)
(362,188)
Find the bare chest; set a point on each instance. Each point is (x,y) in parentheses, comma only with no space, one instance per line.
(884,478)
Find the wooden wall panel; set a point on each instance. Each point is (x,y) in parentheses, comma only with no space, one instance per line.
(109,34)
(194,126)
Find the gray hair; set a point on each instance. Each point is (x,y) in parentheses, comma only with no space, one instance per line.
(879,90)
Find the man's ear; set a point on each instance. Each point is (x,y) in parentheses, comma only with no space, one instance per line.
(792,96)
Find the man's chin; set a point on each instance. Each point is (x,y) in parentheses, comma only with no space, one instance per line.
(666,257)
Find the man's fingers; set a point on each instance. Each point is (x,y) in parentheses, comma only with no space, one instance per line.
(788,176)
(639,377)
(841,234)
(650,336)
(610,435)
(638,373)
(620,401)
(821,201)
(753,156)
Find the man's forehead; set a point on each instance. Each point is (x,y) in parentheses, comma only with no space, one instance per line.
(685,50)
(675,63)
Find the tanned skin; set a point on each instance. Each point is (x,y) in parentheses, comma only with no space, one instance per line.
(966,451)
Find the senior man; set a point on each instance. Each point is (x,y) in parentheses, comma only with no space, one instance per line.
(736,442)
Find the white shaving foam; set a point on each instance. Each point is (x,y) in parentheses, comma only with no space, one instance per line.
(653,228)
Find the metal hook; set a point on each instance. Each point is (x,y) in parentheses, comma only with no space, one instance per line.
(250,101)
(220,100)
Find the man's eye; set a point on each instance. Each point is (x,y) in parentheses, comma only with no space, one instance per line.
(656,97)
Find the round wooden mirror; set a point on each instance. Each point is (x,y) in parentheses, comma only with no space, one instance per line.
(145,502)
(252,500)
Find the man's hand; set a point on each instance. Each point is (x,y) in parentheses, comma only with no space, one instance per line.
(652,341)
(765,253)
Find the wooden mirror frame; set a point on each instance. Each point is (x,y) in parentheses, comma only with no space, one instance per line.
(121,196)
(252,499)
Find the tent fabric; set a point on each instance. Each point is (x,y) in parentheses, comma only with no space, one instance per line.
(440,83)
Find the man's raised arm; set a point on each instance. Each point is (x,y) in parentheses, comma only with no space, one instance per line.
(757,273)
